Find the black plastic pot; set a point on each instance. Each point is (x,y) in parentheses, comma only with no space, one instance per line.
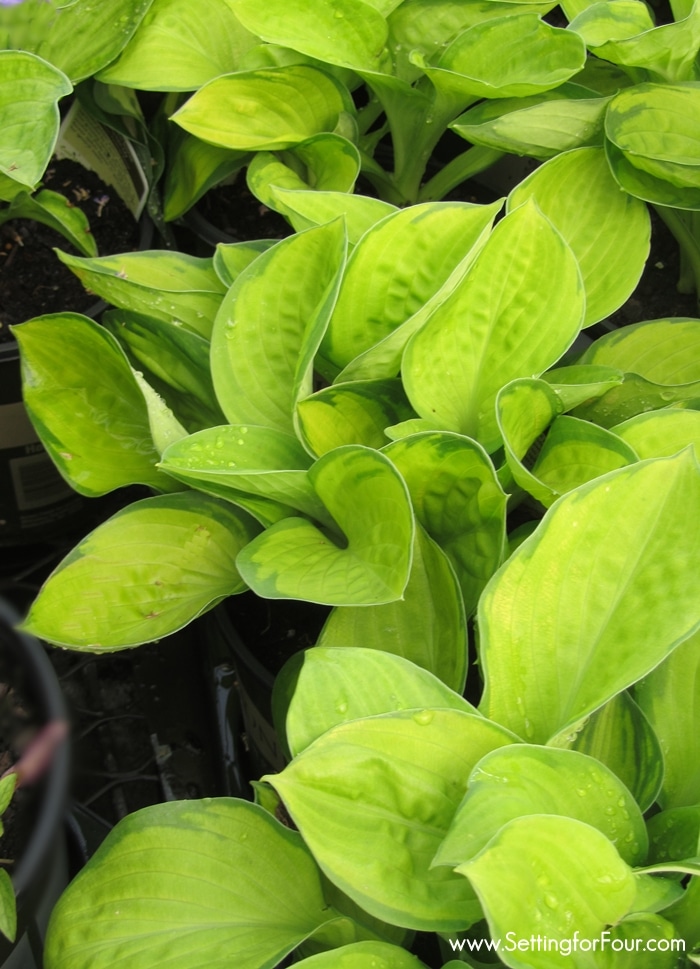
(41,871)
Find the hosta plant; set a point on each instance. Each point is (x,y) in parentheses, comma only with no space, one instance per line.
(564,808)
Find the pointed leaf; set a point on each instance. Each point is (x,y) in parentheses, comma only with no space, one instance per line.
(305,209)
(504,321)
(193,168)
(8,907)
(179,47)
(270,324)
(58,213)
(576,384)
(170,286)
(231,258)
(432,602)
(325,686)
(378,955)
(608,230)
(548,634)
(366,496)
(352,413)
(373,799)
(661,433)
(395,269)
(143,574)
(160,890)
(86,405)
(669,696)
(550,877)
(458,500)
(28,86)
(674,834)
(621,737)
(347,33)
(267,110)
(542,780)
(663,351)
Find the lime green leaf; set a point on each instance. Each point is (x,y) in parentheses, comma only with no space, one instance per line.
(379,955)
(394,270)
(240,460)
(432,602)
(231,258)
(170,286)
(8,907)
(540,126)
(325,686)
(270,325)
(504,321)
(352,413)
(631,937)
(373,799)
(330,162)
(86,405)
(54,210)
(608,230)
(548,635)
(347,33)
(543,780)
(634,396)
(29,87)
(620,736)
(663,351)
(79,38)
(143,574)
(160,890)
(457,498)
(164,425)
(669,698)
(549,876)
(305,209)
(193,168)
(661,433)
(7,788)
(576,384)
(366,496)
(653,132)
(266,109)
(179,47)
(674,834)
(507,57)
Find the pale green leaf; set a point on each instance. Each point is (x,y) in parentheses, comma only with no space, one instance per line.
(270,325)
(504,321)
(57,212)
(663,351)
(231,258)
(457,498)
(143,574)
(164,425)
(608,230)
(325,686)
(265,109)
(160,891)
(7,788)
(305,209)
(431,602)
(378,955)
(368,565)
(576,384)
(549,876)
(373,799)
(170,286)
(78,38)
(86,405)
(29,87)
(8,907)
(543,780)
(661,433)
(641,941)
(619,735)
(674,834)
(555,645)
(634,396)
(347,33)
(670,697)
(179,47)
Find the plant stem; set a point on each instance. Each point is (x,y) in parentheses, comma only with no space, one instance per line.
(689,243)
(464,166)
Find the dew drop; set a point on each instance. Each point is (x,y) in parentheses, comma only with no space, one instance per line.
(424,717)
(551,901)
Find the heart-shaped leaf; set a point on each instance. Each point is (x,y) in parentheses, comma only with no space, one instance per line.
(369,565)
(144,573)
(373,799)
(160,890)
(504,321)
(270,325)
(325,686)
(431,601)
(549,635)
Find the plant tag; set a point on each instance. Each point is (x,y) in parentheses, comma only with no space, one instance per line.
(106,152)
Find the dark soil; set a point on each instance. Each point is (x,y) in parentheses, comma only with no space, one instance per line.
(32,280)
